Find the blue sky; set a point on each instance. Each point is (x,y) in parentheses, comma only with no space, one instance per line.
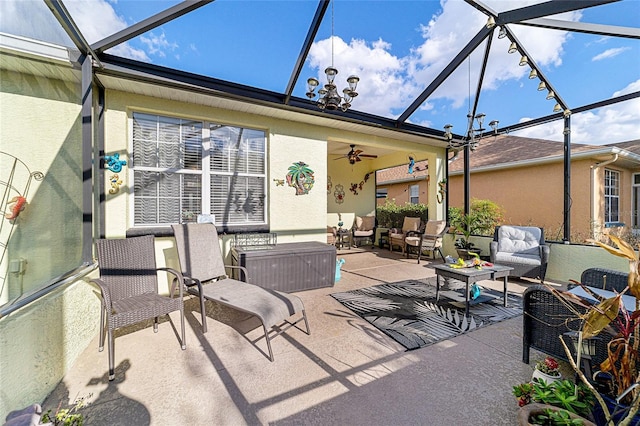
(395,47)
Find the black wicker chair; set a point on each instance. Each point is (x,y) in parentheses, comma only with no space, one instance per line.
(546,318)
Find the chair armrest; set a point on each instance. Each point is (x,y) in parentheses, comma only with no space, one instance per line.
(412,234)
(493,251)
(178,278)
(544,253)
(106,294)
(242,269)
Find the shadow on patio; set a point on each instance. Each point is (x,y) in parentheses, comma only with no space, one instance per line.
(345,372)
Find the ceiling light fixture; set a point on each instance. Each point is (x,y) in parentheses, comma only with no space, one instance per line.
(513,47)
(557,108)
(329,97)
(473,135)
(523,61)
(491,22)
(502,33)
(533,74)
(550,95)
(542,86)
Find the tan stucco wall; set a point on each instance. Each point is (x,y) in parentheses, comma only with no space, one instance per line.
(399,192)
(534,195)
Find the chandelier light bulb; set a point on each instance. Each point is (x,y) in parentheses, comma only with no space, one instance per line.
(533,74)
(513,47)
(502,33)
(542,86)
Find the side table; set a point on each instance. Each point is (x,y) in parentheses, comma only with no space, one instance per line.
(343,236)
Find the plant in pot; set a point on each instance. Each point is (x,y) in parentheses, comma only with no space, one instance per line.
(547,369)
(483,217)
(617,384)
(557,403)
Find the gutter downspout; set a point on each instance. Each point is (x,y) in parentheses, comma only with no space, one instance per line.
(593,191)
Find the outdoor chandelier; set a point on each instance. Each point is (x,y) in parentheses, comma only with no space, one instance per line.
(473,135)
(329,97)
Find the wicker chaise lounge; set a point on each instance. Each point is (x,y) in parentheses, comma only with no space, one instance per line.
(545,317)
(205,276)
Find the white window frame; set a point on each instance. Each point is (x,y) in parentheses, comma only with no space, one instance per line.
(415,187)
(609,197)
(205,172)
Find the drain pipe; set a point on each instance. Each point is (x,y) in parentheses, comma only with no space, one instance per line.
(593,190)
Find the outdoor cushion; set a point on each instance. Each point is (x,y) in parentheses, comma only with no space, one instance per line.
(520,258)
(366,223)
(524,240)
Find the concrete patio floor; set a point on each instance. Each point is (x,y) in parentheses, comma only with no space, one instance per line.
(345,373)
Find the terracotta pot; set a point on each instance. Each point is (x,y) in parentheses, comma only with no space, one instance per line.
(544,376)
(532,409)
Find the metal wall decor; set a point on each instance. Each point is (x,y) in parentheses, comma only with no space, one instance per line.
(114,163)
(355,187)
(300,177)
(329,184)
(115,184)
(338,194)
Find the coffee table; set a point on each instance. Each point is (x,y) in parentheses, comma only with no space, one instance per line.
(470,276)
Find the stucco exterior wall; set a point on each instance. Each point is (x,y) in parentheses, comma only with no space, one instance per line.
(400,194)
(533,195)
(40,125)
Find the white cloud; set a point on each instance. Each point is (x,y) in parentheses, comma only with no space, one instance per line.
(390,83)
(614,123)
(157,44)
(610,53)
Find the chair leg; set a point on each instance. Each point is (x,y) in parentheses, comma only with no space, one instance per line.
(306,323)
(204,314)
(155,325)
(101,337)
(441,255)
(111,349)
(266,337)
(184,342)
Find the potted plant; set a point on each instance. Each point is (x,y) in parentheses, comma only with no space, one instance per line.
(619,398)
(547,369)
(465,224)
(556,403)
(482,219)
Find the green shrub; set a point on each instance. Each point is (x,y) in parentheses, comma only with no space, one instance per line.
(484,216)
(391,215)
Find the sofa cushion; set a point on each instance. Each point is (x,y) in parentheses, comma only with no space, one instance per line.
(366,223)
(358,233)
(518,258)
(524,240)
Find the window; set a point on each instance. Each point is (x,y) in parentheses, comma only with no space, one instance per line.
(611,195)
(414,194)
(381,192)
(183,168)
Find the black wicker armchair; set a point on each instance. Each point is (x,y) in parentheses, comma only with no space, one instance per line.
(546,318)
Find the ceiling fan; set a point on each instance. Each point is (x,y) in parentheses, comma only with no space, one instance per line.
(354,155)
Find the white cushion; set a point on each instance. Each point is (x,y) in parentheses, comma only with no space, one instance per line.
(518,258)
(523,240)
(358,233)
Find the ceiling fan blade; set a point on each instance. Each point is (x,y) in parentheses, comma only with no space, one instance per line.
(356,152)
(368,155)
(358,159)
